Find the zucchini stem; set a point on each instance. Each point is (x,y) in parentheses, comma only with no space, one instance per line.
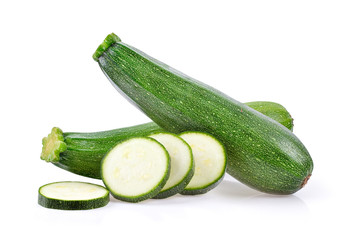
(109,40)
(53,145)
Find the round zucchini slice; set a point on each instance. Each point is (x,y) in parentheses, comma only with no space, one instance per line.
(182,166)
(210,162)
(136,169)
(73,196)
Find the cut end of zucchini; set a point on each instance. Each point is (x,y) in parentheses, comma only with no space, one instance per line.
(109,40)
(53,145)
(305,180)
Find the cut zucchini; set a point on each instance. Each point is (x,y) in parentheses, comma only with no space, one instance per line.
(136,169)
(210,162)
(73,196)
(182,167)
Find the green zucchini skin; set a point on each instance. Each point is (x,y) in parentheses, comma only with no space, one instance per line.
(81,153)
(178,189)
(203,190)
(274,111)
(71,205)
(262,153)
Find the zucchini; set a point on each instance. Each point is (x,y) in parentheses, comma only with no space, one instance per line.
(136,169)
(182,166)
(81,153)
(73,196)
(275,111)
(262,153)
(210,162)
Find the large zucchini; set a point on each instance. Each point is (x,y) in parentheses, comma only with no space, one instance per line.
(81,153)
(261,152)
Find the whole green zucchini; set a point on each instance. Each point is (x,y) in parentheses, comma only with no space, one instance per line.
(261,152)
(81,153)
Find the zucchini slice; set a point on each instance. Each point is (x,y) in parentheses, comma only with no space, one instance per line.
(210,162)
(73,196)
(136,169)
(182,166)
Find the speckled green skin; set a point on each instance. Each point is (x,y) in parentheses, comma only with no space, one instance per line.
(275,111)
(83,152)
(261,152)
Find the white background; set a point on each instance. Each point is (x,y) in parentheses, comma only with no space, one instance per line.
(302,54)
